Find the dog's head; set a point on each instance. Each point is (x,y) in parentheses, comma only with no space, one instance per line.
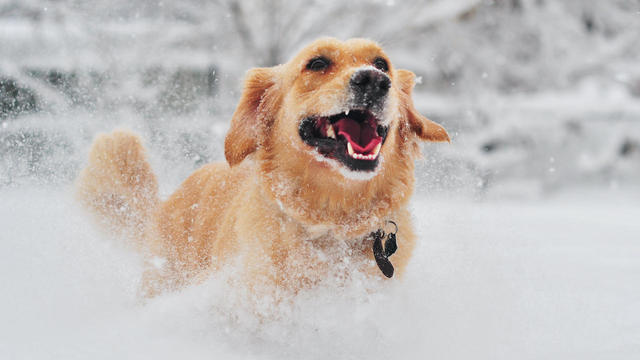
(337,111)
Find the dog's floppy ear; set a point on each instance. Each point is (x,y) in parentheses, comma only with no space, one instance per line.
(254,114)
(420,125)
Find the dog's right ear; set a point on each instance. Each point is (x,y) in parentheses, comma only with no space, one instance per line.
(254,114)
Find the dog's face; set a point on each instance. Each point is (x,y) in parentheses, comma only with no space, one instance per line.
(341,98)
(344,103)
(338,113)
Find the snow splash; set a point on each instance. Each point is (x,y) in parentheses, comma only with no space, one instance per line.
(487,281)
(74,292)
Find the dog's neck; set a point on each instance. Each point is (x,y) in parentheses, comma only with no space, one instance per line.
(346,214)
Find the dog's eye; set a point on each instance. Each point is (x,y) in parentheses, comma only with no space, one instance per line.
(318,63)
(381,64)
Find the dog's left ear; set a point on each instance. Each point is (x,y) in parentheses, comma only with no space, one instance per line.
(254,114)
(420,125)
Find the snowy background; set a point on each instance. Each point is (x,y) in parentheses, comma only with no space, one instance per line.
(530,239)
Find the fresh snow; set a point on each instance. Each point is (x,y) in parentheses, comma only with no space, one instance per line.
(536,279)
(529,233)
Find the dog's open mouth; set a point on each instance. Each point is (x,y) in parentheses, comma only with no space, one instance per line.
(353,137)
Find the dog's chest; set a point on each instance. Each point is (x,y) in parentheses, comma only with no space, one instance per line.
(329,249)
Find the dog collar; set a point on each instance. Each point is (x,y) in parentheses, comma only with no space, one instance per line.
(390,246)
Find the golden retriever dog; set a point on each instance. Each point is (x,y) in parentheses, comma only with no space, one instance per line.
(319,171)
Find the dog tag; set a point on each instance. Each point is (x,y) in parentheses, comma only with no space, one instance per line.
(379,254)
(390,246)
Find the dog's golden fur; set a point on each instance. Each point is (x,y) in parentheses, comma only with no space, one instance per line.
(275,204)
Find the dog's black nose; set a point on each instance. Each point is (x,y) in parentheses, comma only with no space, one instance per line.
(369,86)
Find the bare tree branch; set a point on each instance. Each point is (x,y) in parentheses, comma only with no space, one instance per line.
(243,30)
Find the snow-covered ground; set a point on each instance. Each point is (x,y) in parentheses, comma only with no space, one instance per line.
(553,278)
(530,239)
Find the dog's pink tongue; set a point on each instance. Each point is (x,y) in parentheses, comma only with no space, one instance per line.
(362,136)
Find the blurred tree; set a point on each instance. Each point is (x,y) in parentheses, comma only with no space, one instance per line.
(270,30)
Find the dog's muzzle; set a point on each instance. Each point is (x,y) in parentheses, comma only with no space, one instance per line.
(354,137)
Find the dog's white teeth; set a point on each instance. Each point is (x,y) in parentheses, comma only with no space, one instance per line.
(363,157)
(346,112)
(330,132)
(350,150)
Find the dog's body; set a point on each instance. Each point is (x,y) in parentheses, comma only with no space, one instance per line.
(320,154)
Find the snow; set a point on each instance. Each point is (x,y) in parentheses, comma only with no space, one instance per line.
(548,278)
(527,219)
